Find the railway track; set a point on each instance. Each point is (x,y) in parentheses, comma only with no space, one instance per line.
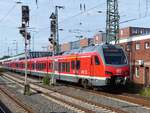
(14,100)
(122,96)
(71,102)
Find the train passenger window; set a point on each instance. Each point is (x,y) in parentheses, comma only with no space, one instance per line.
(49,66)
(37,66)
(33,66)
(44,65)
(16,65)
(97,62)
(78,64)
(67,66)
(73,64)
(59,66)
(63,67)
(56,66)
(28,65)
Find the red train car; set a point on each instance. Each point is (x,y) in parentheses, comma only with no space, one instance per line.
(90,66)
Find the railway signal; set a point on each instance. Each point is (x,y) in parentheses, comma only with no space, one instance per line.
(25,14)
(26,35)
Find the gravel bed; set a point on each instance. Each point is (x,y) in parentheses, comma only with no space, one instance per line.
(11,105)
(126,106)
(38,103)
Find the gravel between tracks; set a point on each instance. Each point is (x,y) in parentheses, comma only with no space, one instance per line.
(123,105)
(12,106)
(126,106)
(38,103)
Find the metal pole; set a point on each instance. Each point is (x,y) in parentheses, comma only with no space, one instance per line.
(57,29)
(57,32)
(27,86)
(25,55)
(16,47)
(33,42)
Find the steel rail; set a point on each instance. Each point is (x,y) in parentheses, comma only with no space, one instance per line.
(16,100)
(77,98)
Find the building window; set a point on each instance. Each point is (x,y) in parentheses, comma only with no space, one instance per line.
(147,45)
(128,47)
(122,46)
(137,46)
(137,72)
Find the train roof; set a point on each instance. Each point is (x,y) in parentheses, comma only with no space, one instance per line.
(92,48)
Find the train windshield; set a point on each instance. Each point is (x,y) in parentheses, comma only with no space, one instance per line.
(114,56)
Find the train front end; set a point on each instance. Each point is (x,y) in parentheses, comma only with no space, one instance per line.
(116,65)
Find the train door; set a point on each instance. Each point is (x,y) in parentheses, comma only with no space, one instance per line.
(92,66)
(96,69)
(146,83)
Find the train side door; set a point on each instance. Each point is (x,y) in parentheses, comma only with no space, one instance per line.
(96,69)
(92,66)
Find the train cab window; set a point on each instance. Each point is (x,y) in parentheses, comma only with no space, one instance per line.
(73,64)
(78,64)
(97,62)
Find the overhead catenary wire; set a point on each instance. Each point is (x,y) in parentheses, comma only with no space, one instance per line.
(7,14)
(76,15)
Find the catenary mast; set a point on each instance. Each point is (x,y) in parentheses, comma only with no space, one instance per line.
(112,21)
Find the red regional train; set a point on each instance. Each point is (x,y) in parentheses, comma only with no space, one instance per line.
(98,65)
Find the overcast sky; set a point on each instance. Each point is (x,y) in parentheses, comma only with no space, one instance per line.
(72,20)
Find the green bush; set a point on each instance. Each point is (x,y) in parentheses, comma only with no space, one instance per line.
(145,92)
(46,80)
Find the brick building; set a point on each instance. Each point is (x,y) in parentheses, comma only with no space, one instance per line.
(136,43)
(65,47)
(133,31)
(138,52)
(99,38)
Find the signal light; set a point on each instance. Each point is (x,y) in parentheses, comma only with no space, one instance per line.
(25,13)
(53,25)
